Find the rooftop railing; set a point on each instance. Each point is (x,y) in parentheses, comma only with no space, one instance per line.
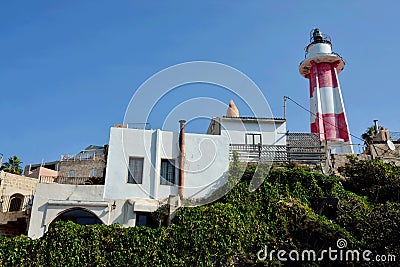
(394,136)
(302,147)
(71,180)
(140,126)
(277,153)
(81,156)
(255,153)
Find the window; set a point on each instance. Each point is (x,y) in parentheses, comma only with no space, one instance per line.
(93,173)
(71,173)
(135,170)
(141,218)
(16,202)
(253,139)
(147,219)
(167,172)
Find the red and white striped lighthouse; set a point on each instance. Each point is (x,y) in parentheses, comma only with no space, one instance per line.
(328,117)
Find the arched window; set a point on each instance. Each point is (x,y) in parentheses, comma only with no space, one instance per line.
(16,202)
(79,216)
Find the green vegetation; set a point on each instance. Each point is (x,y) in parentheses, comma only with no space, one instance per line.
(369,134)
(292,209)
(13,165)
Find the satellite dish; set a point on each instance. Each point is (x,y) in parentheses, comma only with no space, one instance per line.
(390,145)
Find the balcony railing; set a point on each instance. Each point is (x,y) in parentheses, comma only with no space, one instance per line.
(71,180)
(299,150)
(14,203)
(81,156)
(267,153)
(255,153)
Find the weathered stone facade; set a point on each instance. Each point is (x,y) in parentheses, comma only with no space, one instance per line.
(15,192)
(376,151)
(383,152)
(90,162)
(14,228)
(83,167)
(16,184)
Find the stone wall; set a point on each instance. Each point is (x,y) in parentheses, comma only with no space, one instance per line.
(13,184)
(14,223)
(382,151)
(83,168)
(14,228)
(339,161)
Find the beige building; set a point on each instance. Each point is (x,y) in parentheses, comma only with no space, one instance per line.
(16,193)
(90,162)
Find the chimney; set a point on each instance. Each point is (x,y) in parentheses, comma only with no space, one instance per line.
(376,128)
(181,158)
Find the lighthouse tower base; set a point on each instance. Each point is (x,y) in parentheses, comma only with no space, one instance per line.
(340,147)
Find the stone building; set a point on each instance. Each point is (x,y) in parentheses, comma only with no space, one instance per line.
(90,162)
(16,193)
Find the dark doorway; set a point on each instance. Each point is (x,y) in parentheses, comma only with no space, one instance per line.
(79,216)
(16,202)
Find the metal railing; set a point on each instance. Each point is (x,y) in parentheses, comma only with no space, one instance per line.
(81,156)
(278,153)
(255,153)
(71,180)
(394,136)
(305,147)
(14,203)
(140,126)
(303,139)
(301,147)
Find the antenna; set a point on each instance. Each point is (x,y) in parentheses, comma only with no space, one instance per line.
(390,145)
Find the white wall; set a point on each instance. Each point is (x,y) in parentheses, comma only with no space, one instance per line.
(51,200)
(43,213)
(235,129)
(124,143)
(206,164)
(207,161)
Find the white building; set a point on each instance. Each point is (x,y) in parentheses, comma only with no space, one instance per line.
(153,160)
(250,131)
(143,173)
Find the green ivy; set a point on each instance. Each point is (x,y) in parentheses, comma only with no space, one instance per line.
(282,213)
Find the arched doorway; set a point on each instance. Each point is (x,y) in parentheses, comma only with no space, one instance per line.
(16,202)
(79,216)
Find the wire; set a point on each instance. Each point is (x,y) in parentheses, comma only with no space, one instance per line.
(325,121)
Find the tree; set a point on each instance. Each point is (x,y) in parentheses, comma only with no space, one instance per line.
(13,165)
(369,134)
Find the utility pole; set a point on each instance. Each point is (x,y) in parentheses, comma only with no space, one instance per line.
(284,106)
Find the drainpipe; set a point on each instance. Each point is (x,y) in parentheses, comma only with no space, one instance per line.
(181,158)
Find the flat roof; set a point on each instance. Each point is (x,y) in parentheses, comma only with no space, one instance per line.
(254,118)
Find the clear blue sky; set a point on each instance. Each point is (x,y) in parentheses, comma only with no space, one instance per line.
(69,68)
